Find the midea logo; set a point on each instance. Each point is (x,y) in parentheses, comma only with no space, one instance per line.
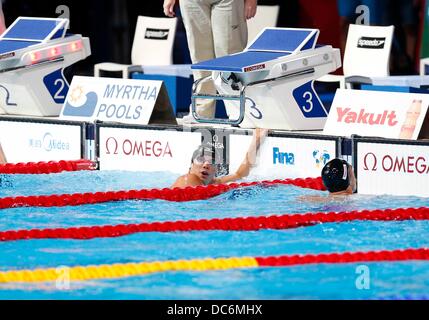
(49,143)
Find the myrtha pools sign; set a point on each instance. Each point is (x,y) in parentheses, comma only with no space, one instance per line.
(106,99)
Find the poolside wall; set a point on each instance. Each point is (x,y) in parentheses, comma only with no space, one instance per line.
(382,166)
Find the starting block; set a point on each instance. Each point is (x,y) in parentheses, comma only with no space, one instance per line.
(33,55)
(270,83)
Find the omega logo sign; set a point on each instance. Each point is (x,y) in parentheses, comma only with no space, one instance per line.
(132,147)
(396,164)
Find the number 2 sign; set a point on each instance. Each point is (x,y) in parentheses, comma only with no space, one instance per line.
(57,86)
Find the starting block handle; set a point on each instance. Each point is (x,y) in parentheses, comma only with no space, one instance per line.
(241,97)
(216,97)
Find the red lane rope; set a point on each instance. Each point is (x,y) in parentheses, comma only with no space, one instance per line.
(176,194)
(348,257)
(227,224)
(47,167)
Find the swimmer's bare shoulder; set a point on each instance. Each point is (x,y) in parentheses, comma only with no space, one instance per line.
(187,180)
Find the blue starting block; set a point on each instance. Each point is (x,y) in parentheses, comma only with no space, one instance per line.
(33,55)
(270,83)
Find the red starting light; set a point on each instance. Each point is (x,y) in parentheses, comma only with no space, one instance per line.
(34,56)
(54,52)
(75,46)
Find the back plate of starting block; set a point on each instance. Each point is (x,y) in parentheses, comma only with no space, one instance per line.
(270,84)
(33,55)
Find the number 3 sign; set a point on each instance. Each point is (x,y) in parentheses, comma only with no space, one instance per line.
(308,101)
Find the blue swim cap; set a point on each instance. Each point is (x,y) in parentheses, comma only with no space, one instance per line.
(335,175)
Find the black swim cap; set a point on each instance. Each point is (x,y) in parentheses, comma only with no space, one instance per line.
(203,151)
(335,175)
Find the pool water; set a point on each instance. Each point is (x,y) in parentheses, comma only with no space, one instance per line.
(320,281)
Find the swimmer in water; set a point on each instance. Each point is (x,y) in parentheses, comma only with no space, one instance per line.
(203,168)
(339,178)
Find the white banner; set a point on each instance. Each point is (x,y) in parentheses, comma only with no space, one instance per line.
(109,99)
(33,141)
(380,114)
(147,150)
(393,169)
(284,157)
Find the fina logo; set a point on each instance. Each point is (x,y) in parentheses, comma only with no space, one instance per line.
(283,157)
(321,158)
(80,104)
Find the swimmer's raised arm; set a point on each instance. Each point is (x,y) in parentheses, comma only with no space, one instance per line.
(2,156)
(249,159)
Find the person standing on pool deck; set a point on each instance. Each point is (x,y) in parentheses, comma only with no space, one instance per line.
(214,28)
(203,168)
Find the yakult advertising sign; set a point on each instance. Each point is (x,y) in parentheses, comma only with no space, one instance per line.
(394,169)
(106,99)
(380,114)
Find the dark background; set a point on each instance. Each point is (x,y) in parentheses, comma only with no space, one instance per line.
(110,25)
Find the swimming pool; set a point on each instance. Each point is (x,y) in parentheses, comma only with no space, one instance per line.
(315,281)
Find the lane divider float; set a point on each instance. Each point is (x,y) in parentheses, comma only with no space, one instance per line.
(176,194)
(286,221)
(112,271)
(47,167)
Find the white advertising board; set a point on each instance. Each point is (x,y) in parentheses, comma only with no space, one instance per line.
(380,114)
(109,99)
(146,150)
(284,157)
(37,141)
(394,169)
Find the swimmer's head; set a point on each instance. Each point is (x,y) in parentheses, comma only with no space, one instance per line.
(203,154)
(203,164)
(336,176)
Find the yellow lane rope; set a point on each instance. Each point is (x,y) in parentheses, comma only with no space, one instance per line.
(126,270)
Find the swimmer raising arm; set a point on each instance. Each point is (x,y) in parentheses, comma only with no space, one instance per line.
(2,156)
(203,170)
